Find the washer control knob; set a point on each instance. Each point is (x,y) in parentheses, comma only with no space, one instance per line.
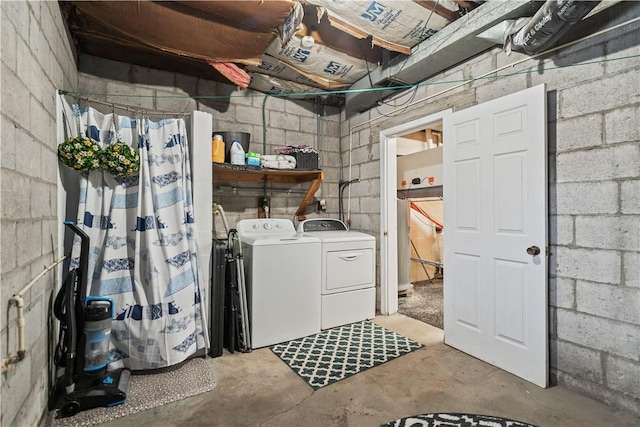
(267,226)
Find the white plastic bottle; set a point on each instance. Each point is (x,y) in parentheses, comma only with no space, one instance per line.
(236,153)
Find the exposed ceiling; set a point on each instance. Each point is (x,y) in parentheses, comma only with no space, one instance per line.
(352,53)
(273,46)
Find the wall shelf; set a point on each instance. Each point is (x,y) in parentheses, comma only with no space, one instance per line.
(315,177)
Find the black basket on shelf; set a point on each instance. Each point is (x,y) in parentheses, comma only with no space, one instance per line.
(305,160)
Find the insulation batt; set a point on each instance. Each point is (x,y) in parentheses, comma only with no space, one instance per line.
(232,72)
(320,60)
(276,86)
(280,69)
(396,25)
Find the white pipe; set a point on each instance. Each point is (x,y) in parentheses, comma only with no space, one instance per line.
(217,209)
(349,180)
(40,275)
(19,302)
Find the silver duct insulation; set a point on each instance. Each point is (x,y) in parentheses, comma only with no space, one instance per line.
(544,29)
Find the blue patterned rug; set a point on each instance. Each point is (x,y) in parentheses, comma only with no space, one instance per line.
(338,353)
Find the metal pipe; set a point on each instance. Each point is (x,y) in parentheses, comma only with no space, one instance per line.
(224,188)
(341,186)
(264,141)
(123,107)
(19,302)
(319,140)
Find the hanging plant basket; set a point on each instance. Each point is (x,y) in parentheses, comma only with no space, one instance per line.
(81,153)
(121,160)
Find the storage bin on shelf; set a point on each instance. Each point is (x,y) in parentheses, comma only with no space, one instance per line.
(306,157)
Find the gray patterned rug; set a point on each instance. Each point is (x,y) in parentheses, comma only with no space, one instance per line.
(148,391)
(338,353)
(455,420)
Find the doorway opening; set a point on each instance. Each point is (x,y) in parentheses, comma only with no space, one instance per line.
(412,219)
(420,225)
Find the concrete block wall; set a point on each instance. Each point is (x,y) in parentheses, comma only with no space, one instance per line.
(596,158)
(594,186)
(37,59)
(286,121)
(274,122)
(594,327)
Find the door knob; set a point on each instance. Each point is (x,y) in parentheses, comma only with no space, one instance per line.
(533,250)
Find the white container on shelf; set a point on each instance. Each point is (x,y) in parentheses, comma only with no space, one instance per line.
(237,153)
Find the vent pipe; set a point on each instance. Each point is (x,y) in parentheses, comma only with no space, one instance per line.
(544,29)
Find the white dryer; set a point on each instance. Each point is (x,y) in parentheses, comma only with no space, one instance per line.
(348,271)
(282,276)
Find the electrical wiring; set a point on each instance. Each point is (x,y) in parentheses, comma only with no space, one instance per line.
(424,27)
(493,73)
(381,101)
(425,223)
(461,82)
(426,215)
(399,110)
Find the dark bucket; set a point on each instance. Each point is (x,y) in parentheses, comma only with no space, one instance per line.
(228,137)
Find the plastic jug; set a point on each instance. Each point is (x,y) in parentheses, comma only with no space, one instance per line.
(237,153)
(217,149)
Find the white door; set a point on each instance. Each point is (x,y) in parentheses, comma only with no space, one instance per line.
(495,216)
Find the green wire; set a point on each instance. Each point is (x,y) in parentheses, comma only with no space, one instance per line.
(343,91)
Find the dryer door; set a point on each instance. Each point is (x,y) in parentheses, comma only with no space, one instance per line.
(348,266)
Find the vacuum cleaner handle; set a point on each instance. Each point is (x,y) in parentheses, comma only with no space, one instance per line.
(80,295)
(83,266)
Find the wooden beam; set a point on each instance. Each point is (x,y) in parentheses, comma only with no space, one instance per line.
(315,184)
(439,9)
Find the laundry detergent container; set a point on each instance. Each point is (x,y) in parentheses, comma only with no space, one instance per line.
(242,137)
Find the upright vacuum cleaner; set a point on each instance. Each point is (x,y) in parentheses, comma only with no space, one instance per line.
(82,353)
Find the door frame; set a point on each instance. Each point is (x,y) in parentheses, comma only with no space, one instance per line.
(388,208)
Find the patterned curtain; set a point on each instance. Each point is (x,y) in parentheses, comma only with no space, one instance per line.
(142,232)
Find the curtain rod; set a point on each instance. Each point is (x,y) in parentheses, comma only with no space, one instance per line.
(122,107)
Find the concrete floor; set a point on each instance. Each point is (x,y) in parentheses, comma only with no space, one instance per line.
(258,389)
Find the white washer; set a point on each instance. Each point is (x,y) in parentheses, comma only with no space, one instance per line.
(348,271)
(282,276)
